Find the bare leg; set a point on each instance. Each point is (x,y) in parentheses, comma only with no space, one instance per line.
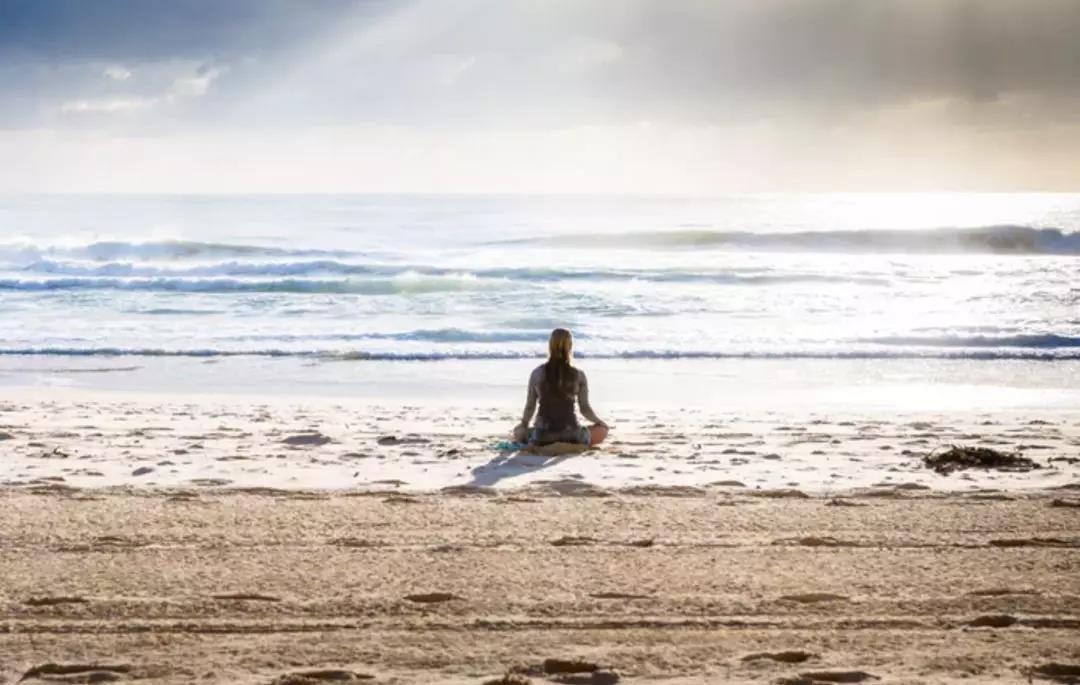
(521,433)
(597,433)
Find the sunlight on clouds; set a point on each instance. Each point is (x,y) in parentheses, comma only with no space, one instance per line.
(519,96)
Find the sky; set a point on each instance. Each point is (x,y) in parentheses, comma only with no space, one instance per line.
(539,96)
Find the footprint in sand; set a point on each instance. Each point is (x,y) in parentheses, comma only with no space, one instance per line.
(833,677)
(80,673)
(246,597)
(1062,673)
(53,601)
(311,439)
(993,621)
(432,597)
(573,541)
(321,676)
(787,657)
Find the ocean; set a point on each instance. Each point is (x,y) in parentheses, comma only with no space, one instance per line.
(328,279)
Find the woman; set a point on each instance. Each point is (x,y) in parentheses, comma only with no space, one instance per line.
(554,385)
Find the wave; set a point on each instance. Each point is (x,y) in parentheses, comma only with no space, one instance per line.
(433,356)
(324,267)
(386,286)
(1005,239)
(433,335)
(232,268)
(1023,341)
(163,250)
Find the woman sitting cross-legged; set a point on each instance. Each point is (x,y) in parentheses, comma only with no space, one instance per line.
(555,385)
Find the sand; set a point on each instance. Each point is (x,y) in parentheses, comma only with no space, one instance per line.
(178,540)
(667,586)
(187,441)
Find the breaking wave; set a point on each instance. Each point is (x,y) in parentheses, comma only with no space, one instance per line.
(384,286)
(163,250)
(122,275)
(1006,239)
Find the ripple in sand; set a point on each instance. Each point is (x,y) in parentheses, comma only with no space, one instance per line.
(813,598)
(618,595)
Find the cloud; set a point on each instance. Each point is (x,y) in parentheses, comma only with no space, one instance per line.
(185,86)
(194,86)
(116,73)
(766,91)
(565,62)
(107,105)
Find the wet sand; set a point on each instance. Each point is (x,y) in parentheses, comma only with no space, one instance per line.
(664,585)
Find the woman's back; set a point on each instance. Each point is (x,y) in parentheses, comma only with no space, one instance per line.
(556,397)
(556,386)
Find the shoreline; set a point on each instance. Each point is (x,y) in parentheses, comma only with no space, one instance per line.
(100,439)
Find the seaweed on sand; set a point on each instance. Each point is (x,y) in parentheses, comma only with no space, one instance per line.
(960,457)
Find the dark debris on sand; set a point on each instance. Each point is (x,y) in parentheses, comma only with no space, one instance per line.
(960,457)
(1061,673)
(564,671)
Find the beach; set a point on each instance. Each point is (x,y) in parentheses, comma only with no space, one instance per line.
(226,538)
(267,439)
(296,296)
(663,585)
(88,440)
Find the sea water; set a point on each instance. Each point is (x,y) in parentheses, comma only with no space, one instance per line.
(330,279)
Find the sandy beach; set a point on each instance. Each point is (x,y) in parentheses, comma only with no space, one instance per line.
(665,585)
(93,439)
(219,540)
(287,287)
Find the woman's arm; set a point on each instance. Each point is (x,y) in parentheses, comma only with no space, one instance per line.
(530,401)
(583,400)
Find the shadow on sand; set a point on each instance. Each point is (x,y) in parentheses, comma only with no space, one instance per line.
(513,463)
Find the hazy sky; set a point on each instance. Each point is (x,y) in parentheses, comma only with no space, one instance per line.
(671,96)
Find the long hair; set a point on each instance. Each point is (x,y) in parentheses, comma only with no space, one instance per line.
(559,371)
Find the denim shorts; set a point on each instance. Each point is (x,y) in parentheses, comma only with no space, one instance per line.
(579,435)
